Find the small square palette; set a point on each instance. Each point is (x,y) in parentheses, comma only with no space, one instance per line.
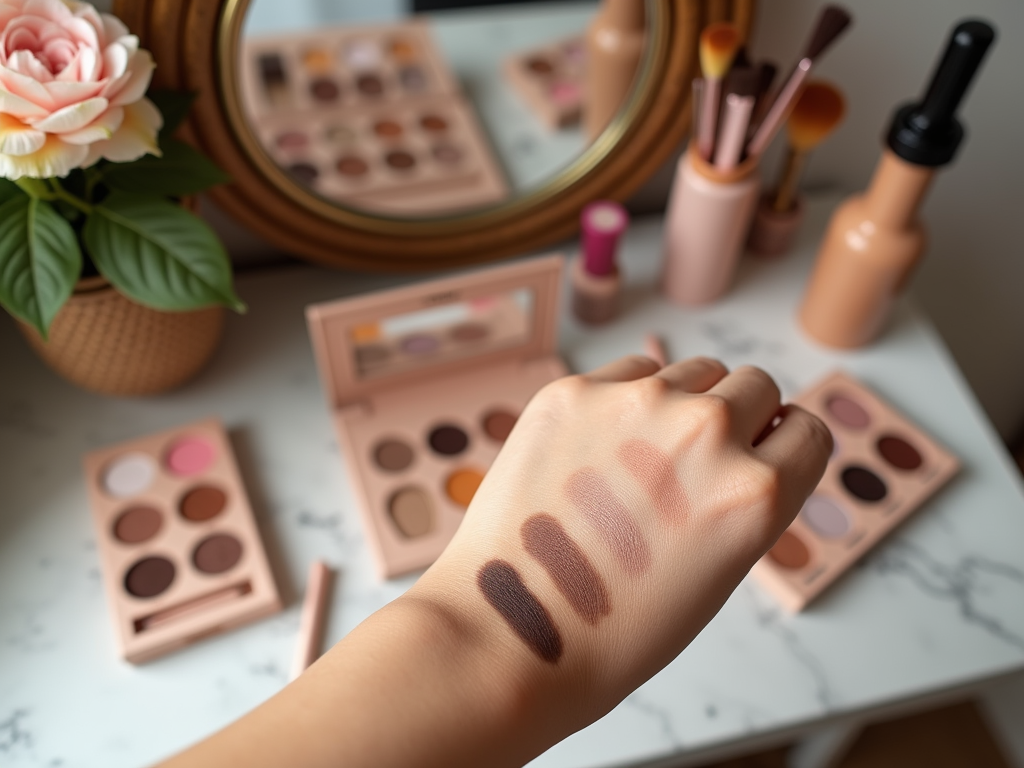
(550,80)
(883,468)
(425,383)
(181,555)
(369,116)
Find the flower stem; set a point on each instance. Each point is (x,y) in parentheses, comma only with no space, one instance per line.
(73,200)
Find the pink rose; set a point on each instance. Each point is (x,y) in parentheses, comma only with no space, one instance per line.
(71,89)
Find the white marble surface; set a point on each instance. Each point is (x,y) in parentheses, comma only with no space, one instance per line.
(938,606)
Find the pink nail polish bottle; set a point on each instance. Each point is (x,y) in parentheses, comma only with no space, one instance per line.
(596,283)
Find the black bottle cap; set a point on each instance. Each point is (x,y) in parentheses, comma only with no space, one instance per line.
(928,133)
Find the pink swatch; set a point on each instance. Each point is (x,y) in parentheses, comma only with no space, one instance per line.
(588,490)
(656,473)
(190,456)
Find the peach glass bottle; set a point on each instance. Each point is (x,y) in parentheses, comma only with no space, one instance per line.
(615,43)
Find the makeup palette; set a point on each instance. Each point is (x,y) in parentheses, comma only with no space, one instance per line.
(550,80)
(424,384)
(881,470)
(181,555)
(369,116)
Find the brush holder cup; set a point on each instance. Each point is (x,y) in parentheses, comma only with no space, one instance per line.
(709,215)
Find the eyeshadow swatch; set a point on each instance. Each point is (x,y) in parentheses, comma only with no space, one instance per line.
(505,591)
(567,565)
(604,512)
(656,473)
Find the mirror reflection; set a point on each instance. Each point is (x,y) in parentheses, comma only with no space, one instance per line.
(443,333)
(382,106)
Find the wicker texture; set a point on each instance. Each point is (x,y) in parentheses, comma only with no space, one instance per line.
(107,343)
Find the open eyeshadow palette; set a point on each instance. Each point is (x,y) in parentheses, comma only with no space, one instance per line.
(370,116)
(181,555)
(425,383)
(550,80)
(882,469)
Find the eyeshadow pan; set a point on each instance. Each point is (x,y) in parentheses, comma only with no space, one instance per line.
(137,524)
(304,173)
(790,551)
(470,332)
(217,554)
(372,353)
(419,343)
(433,123)
(411,512)
(565,92)
(402,49)
(202,503)
(448,440)
(825,517)
(400,159)
(864,484)
(272,70)
(317,60)
(190,456)
(388,129)
(503,588)
(539,65)
(412,79)
(149,577)
(291,140)
(498,425)
(899,452)
(129,475)
(351,165)
(847,412)
(370,85)
(393,455)
(340,134)
(462,485)
(447,153)
(363,54)
(324,89)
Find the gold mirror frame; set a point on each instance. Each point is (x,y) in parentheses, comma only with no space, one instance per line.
(194,44)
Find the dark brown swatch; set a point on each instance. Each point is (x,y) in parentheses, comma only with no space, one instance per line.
(656,473)
(570,569)
(606,514)
(504,590)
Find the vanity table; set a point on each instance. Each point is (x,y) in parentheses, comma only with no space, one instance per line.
(934,612)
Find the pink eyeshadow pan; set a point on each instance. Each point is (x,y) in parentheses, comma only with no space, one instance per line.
(190,456)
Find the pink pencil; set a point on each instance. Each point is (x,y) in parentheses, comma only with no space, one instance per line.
(311,625)
(734,131)
(655,350)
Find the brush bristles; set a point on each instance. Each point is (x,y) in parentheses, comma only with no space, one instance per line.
(831,23)
(818,111)
(742,81)
(718,45)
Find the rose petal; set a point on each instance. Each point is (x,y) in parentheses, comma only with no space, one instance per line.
(19,107)
(16,138)
(67,94)
(26,88)
(135,137)
(73,117)
(140,69)
(55,158)
(54,10)
(100,129)
(113,28)
(25,63)
(115,60)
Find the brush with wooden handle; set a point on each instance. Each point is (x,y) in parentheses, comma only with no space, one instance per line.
(718,46)
(817,113)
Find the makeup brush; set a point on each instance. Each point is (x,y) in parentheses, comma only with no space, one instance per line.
(817,112)
(738,106)
(831,23)
(718,45)
(766,72)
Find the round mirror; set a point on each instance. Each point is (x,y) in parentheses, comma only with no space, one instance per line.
(411,134)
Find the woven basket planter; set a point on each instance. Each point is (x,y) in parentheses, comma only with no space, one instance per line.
(106,343)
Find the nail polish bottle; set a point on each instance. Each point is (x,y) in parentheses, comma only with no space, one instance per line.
(875,240)
(596,282)
(615,43)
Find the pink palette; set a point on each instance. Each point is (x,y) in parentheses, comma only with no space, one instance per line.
(370,116)
(181,556)
(550,80)
(424,384)
(882,469)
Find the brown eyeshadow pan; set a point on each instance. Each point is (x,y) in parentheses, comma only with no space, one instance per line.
(352,165)
(400,160)
(470,332)
(137,524)
(899,453)
(790,551)
(393,455)
(411,511)
(448,440)
(864,484)
(149,577)
(388,129)
(324,89)
(504,589)
(203,503)
(370,85)
(217,554)
(498,425)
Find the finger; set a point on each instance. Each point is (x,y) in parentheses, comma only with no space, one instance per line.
(624,369)
(754,397)
(695,375)
(799,447)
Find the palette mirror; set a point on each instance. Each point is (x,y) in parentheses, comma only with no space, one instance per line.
(376,134)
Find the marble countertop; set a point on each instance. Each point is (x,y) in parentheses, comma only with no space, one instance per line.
(939,605)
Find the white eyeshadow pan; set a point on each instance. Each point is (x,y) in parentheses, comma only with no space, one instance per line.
(128,475)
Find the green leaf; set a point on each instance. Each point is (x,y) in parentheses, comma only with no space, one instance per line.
(174,106)
(181,171)
(39,260)
(9,190)
(159,254)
